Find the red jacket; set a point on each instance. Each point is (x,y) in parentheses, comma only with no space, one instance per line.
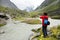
(43,17)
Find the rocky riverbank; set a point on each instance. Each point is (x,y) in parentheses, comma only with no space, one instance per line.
(15,30)
(53,34)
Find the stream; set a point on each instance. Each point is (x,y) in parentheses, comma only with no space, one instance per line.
(15,30)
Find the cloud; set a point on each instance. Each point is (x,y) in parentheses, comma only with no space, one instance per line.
(22,4)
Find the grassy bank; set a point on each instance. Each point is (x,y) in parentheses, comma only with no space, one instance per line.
(19,18)
(54,34)
(32,21)
(28,20)
(55,17)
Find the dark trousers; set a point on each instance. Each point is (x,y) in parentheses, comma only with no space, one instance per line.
(44,30)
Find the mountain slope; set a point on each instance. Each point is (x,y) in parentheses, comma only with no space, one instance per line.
(7,7)
(52,7)
(45,3)
(7,3)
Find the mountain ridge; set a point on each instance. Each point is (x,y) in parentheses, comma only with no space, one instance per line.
(8,3)
(51,8)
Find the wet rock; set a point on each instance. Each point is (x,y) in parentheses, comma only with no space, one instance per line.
(34,36)
(1,32)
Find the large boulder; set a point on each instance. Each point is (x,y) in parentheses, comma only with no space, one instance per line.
(3,19)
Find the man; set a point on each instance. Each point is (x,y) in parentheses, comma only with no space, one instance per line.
(44,26)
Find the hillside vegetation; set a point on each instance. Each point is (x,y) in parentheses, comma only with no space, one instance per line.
(13,12)
(52,7)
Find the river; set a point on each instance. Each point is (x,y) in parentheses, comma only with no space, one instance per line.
(16,30)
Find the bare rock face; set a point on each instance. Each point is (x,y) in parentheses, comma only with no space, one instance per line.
(7,3)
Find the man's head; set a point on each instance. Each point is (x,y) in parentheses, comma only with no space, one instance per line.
(45,13)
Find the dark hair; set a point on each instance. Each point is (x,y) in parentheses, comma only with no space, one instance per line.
(45,13)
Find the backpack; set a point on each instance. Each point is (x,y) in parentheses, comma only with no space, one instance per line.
(46,22)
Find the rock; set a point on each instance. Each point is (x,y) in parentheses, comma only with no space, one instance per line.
(1,32)
(49,33)
(34,36)
(34,39)
(2,21)
(4,16)
(58,36)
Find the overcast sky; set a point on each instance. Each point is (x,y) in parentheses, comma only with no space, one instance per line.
(22,4)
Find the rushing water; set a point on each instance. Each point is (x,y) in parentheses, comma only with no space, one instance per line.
(15,30)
